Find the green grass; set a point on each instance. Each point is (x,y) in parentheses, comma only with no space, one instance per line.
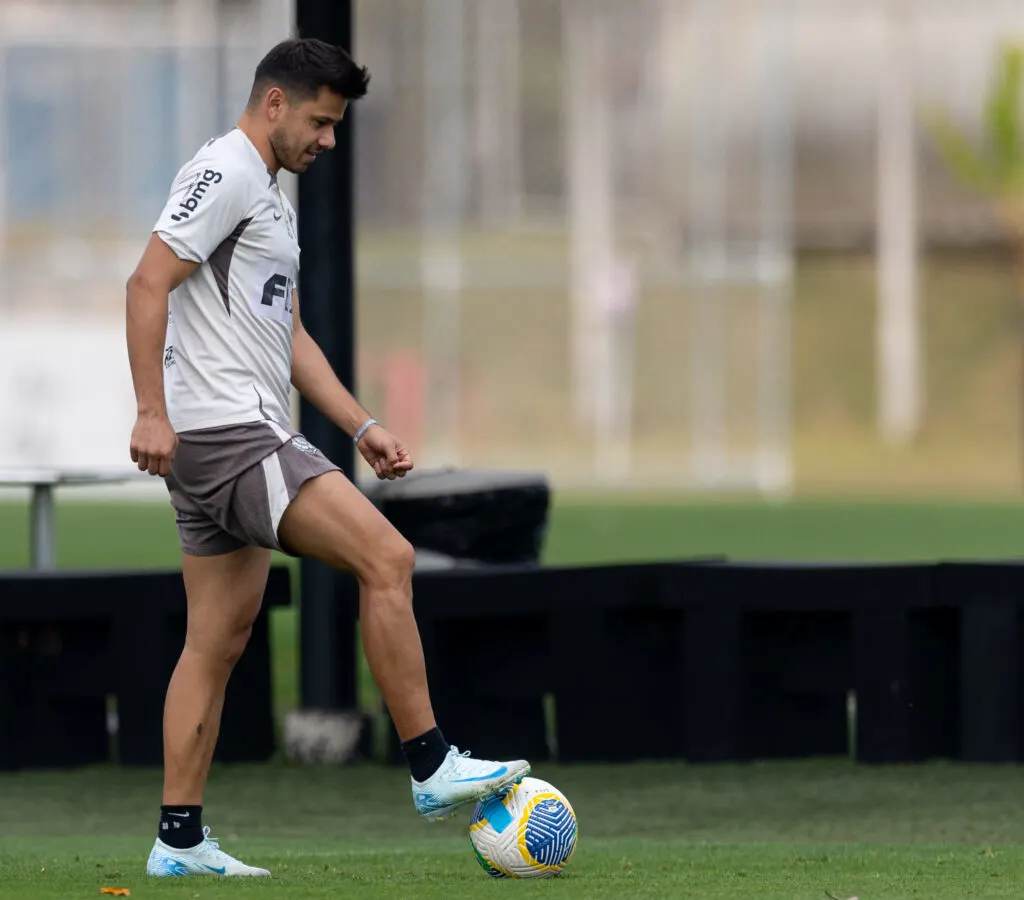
(808,530)
(583,531)
(780,831)
(613,869)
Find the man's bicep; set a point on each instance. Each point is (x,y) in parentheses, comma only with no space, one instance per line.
(161,268)
(296,318)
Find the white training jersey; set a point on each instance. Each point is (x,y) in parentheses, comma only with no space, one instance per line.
(228,353)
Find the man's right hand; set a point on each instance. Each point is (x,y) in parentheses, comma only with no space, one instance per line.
(153,443)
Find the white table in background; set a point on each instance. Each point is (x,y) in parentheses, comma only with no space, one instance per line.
(42,483)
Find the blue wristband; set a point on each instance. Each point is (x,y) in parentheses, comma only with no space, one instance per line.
(362,430)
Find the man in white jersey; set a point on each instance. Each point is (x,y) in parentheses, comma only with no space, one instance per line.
(216,342)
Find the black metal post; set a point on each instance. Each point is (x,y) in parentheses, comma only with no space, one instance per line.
(327,298)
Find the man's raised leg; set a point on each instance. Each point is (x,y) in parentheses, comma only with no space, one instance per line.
(331,520)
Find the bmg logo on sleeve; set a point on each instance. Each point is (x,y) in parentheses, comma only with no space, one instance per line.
(196,193)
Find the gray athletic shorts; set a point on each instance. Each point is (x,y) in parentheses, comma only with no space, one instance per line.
(230,485)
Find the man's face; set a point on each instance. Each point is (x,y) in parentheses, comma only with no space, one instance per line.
(306,129)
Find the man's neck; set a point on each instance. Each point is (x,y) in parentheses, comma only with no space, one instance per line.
(261,141)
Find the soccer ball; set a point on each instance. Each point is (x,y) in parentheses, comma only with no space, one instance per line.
(530,832)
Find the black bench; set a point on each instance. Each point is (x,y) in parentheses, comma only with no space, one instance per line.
(75,647)
(709,661)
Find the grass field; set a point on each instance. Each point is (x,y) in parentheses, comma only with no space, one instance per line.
(779,831)
(588,530)
(786,831)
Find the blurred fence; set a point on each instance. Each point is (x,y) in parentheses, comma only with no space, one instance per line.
(585,226)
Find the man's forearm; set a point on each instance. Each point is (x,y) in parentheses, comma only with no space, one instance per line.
(146,331)
(314,378)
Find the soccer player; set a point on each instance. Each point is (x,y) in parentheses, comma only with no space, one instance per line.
(215,343)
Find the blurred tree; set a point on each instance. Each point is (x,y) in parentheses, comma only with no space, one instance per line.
(994,165)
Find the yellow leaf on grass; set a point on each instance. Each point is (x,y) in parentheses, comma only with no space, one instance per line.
(116,892)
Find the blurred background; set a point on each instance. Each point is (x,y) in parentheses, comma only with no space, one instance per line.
(684,246)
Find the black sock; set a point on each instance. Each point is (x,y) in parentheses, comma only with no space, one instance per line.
(425,753)
(181,827)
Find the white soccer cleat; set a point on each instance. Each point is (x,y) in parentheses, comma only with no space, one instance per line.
(461,780)
(205,859)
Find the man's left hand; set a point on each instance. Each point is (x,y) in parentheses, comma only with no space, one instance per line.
(385,453)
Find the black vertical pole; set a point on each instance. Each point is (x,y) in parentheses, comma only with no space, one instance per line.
(327,301)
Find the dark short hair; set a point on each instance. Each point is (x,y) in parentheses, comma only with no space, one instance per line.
(301,66)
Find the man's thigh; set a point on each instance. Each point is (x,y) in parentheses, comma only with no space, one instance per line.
(224,593)
(330,519)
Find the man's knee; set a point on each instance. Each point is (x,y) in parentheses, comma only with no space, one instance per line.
(391,564)
(236,644)
(223,644)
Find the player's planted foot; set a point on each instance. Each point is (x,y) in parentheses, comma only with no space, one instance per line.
(461,780)
(204,859)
